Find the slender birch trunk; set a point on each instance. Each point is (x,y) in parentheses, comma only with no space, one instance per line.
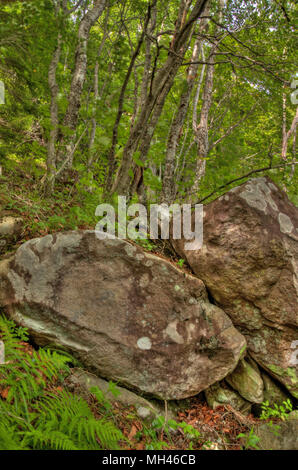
(168,185)
(284,126)
(60,153)
(54,89)
(67,143)
(288,135)
(201,133)
(96,94)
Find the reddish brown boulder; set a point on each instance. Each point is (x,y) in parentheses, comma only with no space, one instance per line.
(249,263)
(128,315)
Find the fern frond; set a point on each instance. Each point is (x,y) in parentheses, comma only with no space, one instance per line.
(31,417)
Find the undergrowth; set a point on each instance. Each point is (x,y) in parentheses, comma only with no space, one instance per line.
(35,411)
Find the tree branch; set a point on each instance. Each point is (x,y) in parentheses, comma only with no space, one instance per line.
(252,172)
(231,128)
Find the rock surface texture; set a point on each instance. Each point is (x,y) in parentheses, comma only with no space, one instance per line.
(220,394)
(10,231)
(127,315)
(82,383)
(247,381)
(249,264)
(280,436)
(272,392)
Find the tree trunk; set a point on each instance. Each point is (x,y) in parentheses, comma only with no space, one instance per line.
(288,134)
(54,89)
(70,121)
(96,94)
(111,156)
(168,186)
(201,134)
(161,84)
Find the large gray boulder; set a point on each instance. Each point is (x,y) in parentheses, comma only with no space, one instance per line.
(249,263)
(127,315)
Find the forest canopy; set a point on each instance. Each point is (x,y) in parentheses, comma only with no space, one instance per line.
(159,101)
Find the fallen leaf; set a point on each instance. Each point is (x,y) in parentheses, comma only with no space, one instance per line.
(133,432)
(4,393)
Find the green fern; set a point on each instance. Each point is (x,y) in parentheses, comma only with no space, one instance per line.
(9,438)
(32,416)
(26,375)
(72,418)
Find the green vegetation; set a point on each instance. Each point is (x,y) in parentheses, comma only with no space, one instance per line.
(36,413)
(160,425)
(162,102)
(276,411)
(250,440)
(66,145)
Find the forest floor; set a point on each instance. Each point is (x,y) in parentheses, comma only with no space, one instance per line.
(202,428)
(68,209)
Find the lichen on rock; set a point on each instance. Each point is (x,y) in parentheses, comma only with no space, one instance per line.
(249,264)
(89,296)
